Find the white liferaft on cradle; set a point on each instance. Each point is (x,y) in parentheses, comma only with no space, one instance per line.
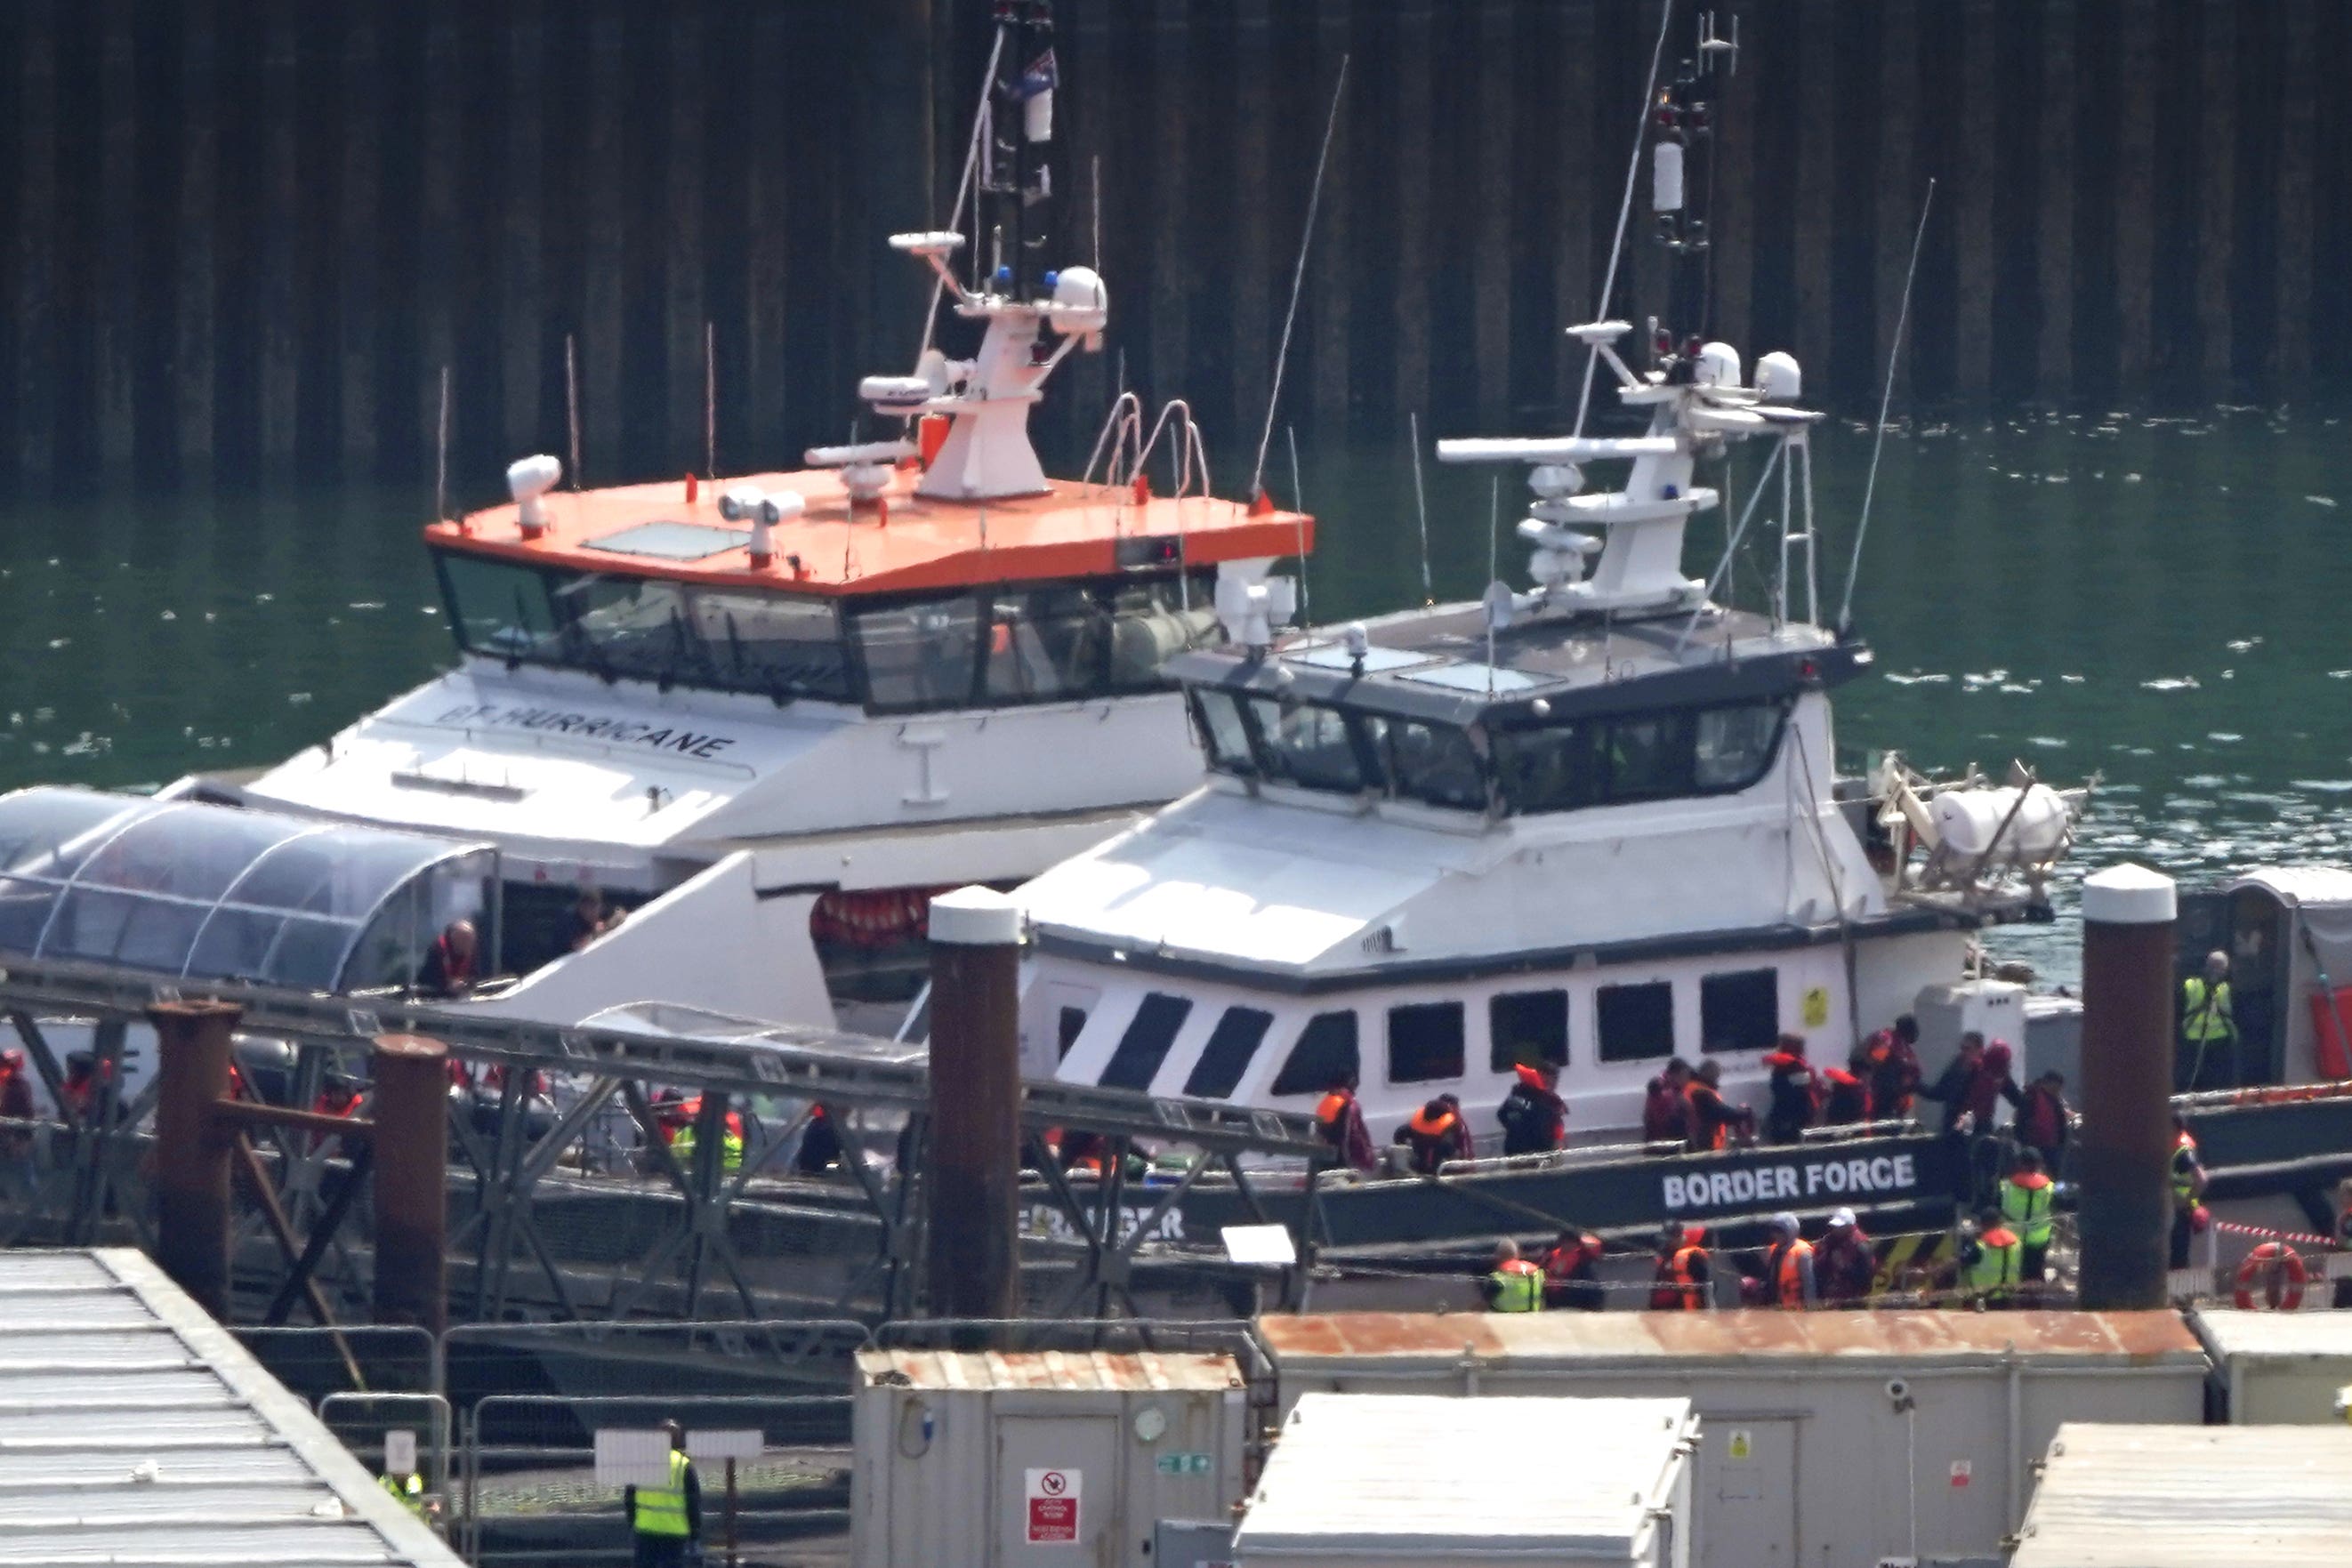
(1970,821)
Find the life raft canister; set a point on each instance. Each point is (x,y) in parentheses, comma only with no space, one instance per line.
(2281,1270)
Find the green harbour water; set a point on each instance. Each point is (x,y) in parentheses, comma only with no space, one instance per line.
(2160,601)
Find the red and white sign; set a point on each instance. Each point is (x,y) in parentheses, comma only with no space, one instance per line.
(1962,1470)
(1053,1497)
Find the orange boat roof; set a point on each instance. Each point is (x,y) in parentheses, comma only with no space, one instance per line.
(906,542)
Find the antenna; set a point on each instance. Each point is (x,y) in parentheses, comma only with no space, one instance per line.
(1298,505)
(1885,401)
(441,454)
(709,400)
(1494,613)
(572,402)
(1420,504)
(1624,211)
(963,185)
(1297,277)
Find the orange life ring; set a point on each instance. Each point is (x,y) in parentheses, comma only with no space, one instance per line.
(2283,1275)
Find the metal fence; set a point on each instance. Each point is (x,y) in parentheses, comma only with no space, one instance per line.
(319,1363)
(366,1425)
(527,1492)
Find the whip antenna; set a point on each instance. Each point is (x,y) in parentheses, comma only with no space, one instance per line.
(1624,210)
(1420,504)
(1885,401)
(1298,277)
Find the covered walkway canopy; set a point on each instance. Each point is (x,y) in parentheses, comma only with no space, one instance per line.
(218,893)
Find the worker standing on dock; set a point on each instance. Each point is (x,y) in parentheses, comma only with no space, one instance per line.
(1683,1276)
(1533,1115)
(2208,1026)
(2027,1197)
(1788,1267)
(666,1522)
(1516,1285)
(1341,1122)
(2187,1189)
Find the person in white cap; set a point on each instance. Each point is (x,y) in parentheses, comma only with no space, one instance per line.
(1844,1262)
(1788,1267)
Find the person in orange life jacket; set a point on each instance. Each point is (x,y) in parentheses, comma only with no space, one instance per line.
(1534,1116)
(1665,1110)
(1681,1279)
(1788,1267)
(1516,1285)
(1846,1096)
(2187,1175)
(339,1095)
(1796,1091)
(1435,1135)
(1713,1119)
(15,1087)
(1988,1262)
(79,1093)
(1086,1152)
(820,1148)
(1571,1272)
(2042,1117)
(1844,1262)
(1341,1122)
(451,966)
(1893,1055)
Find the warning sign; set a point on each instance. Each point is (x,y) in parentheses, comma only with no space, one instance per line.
(1817,1007)
(1962,1472)
(1740,1446)
(1053,1506)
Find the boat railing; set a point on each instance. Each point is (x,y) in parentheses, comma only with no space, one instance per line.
(1121,440)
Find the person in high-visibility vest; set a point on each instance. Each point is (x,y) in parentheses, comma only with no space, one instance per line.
(666,1522)
(1991,1256)
(2187,1180)
(2027,1197)
(409,1488)
(2209,1028)
(1516,1285)
(1788,1267)
(682,1143)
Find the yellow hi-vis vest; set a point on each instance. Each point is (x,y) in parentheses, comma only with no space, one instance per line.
(2184,1171)
(2028,1207)
(1519,1287)
(730,1149)
(2201,1019)
(410,1490)
(661,1511)
(1998,1263)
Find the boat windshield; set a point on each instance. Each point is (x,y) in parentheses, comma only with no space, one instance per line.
(1550,767)
(1017,643)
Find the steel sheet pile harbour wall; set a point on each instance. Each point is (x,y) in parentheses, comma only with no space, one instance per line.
(1820,1430)
(1359,1479)
(2276,1367)
(2190,1497)
(248,235)
(1045,1459)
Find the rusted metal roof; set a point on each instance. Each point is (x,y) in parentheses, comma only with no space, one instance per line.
(1395,1339)
(1051,1369)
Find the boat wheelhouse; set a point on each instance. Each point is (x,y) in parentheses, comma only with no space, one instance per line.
(771,714)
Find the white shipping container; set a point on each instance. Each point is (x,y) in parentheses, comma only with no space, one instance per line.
(2276,1367)
(1044,1460)
(2192,1496)
(1829,1440)
(1361,1479)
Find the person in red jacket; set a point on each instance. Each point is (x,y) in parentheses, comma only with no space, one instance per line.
(1571,1272)
(2042,1117)
(1341,1122)
(1796,1091)
(1991,1085)
(1533,1115)
(1435,1135)
(1845,1092)
(1681,1279)
(1714,1119)
(1844,1262)
(1893,1055)
(1665,1112)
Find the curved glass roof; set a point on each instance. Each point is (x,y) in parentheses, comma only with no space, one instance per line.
(189,888)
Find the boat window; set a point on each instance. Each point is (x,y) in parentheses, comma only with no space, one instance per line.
(1424,1042)
(1047,642)
(498,608)
(1144,1046)
(1222,729)
(1736,744)
(1323,1057)
(1527,1028)
(773,643)
(1636,1023)
(1433,763)
(918,655)
(1227,1056)
(1307,744)
(1739,1010)
(1554,770)
(1649,757)
(630,627)
(1154,618)
(1068,1024)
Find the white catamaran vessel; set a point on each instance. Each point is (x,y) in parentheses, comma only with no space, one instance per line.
(766,716)
(1595,822)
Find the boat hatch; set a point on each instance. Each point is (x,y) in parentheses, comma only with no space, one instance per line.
(1474,678)
(210,892)
(672,540)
